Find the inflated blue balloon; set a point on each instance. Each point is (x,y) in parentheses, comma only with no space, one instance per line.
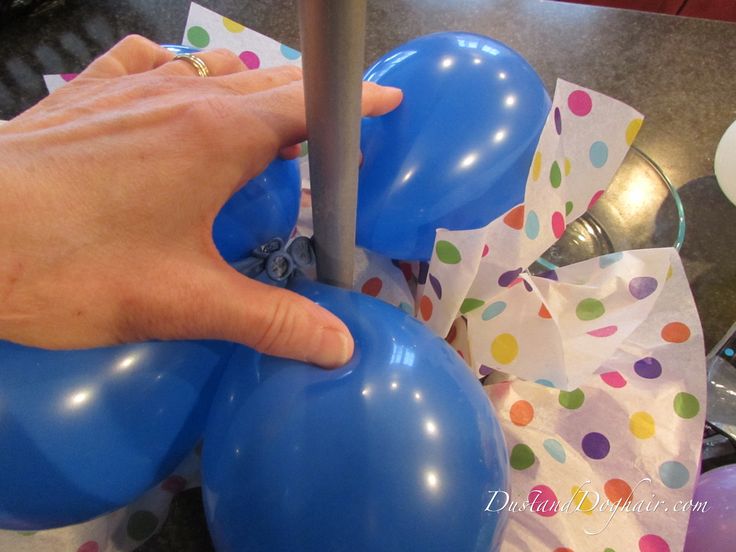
(456,153)
(86,432)
(266,207)
(398,450)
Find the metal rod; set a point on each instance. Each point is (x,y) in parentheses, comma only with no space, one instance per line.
(333,43)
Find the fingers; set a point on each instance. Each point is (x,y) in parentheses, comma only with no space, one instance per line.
(133,54)
(219,303)
(250,82)
(219,62)
(379,100)
(282,108)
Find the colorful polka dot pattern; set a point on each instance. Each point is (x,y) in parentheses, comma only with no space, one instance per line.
(476,291)
(207,29)
(617,428)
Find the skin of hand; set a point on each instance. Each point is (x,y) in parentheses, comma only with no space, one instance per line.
(108,192)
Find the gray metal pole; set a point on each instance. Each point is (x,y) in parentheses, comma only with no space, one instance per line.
(333,42)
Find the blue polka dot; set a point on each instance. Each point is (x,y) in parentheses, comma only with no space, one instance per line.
(598,154)
(289,53)
(545,382)
(673,474)
(407,308)
(728,351)
(493,310)
(555,450)
(531,228)
(611,258)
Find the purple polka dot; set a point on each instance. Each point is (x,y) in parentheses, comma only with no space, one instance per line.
(436,286)
(642,286)
(596,446)
(250,59)
(68,76)
(423,271)
(580,103)
(484,370)
(549,275)
(558,120)
(648,368)
(507,278)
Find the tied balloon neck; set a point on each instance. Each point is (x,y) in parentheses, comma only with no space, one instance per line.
(277,260)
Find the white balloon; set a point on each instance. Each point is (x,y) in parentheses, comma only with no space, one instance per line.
(725,163)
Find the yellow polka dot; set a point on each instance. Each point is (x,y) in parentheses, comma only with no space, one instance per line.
(641,424)
(536,166)
(582,502)
(669,273)
(232,26)
(504,348)
(632,130)
(568,167)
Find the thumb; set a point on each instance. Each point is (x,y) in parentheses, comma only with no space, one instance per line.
(217,302)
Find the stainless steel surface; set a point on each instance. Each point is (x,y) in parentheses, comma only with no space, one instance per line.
(333,43)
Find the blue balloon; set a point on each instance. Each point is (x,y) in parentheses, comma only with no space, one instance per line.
(266,207)
(456,153)
(86,432)
(398,450)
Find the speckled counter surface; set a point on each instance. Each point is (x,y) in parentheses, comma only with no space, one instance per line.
(679,72)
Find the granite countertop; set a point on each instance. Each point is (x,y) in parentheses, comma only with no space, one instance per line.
(679,72)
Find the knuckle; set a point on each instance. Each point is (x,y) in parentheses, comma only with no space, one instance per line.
(228,59)
(291,72)
(137,41)
(279,329)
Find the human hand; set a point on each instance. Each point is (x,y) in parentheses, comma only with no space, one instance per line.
(108,191)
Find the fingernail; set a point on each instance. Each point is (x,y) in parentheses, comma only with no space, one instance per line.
(335,348)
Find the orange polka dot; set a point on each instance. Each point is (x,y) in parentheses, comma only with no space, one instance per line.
(563,550)
(425,307)
(543,312)
(521,413)
(515,218)
(372,287)
(452,335)
(676,332)
(618,489)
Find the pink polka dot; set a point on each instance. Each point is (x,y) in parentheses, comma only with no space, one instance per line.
(595,198)
(174,484)
(543,501)
(89,546)
(558,224)
(251,59)
(68,76)
(653,543)
(580,103)
(614,379)
(605,331)
(485,251)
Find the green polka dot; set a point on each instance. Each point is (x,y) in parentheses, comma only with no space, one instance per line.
(447,253)
(27,533)
(568,208)
(590,309)
(470,304)
(609,550)
(198,37)
(521,457)
(686,405)
(305,149)
(555,175)
(141,525)
(572,400)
